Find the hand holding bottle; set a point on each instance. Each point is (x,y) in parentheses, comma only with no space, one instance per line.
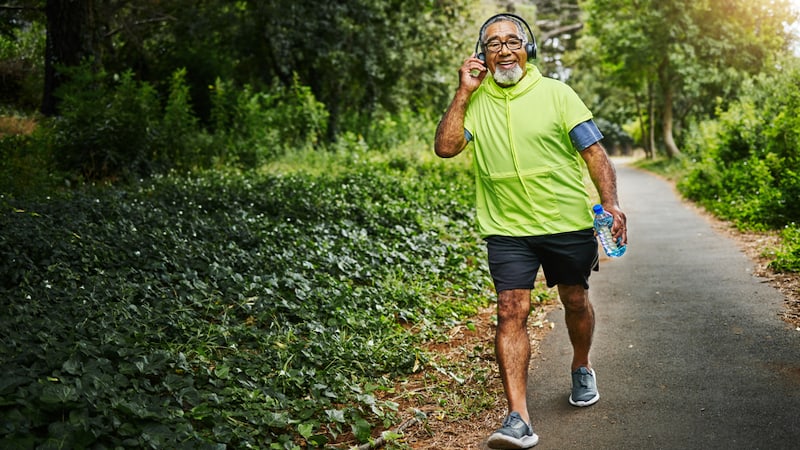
(603,224)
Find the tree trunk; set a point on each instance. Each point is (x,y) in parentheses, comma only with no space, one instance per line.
(666,124)
(70,40)
(642,126)
(651,116)
(665,82)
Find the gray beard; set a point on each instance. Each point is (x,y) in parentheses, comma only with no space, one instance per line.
(508,77)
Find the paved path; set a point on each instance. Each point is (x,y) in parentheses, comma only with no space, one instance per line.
(689,349)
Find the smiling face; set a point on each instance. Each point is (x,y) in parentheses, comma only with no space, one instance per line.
(507,66)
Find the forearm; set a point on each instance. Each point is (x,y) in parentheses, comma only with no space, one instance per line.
(603,175)
(450,140)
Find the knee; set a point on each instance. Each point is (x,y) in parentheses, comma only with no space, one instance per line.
(576,301)
(513,306)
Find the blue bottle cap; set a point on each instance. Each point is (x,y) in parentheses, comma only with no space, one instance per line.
(598,209)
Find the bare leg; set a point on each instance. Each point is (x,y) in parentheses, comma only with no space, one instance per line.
(579,315)
(513,347)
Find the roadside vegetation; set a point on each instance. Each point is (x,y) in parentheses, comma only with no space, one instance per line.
(743,166)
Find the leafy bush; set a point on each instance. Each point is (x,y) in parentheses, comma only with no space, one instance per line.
(179,143)
(251,128)
(747,168)
(227,310)
(105,130)
(787,259)
(113,127)
(116,127)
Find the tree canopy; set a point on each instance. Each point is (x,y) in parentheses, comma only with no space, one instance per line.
(683,55)
(372,64)
(357,56)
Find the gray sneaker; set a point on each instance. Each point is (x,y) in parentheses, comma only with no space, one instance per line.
(584,388)
(515,433)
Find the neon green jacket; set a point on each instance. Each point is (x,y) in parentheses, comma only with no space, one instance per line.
(529,177)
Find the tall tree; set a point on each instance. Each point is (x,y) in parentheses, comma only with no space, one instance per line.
(687,52)
(71,38)
(358,56)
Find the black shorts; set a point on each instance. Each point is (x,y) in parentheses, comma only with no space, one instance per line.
(566,258)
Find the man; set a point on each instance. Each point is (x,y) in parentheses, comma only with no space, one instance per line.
(529,136)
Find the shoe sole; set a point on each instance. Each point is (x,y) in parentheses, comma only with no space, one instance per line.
(589,402)
(502,442)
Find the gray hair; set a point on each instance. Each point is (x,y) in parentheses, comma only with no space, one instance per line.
(504,18)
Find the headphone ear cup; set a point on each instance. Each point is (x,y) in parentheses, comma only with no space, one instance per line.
(530,49)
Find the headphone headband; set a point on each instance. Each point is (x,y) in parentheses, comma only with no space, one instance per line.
(530,47)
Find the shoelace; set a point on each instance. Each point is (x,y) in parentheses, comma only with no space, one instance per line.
(582,379)
(509,419)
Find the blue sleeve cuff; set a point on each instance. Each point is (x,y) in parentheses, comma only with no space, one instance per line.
(585,134)
(467,135)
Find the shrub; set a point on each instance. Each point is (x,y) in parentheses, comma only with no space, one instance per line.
(105,130)
(25,166)
(179,141)
(115,127)
(787,259)
(747,165)
(251,128)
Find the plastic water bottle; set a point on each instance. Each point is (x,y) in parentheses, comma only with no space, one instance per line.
(602,225)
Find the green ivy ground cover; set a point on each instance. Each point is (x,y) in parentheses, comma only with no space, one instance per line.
(227,310)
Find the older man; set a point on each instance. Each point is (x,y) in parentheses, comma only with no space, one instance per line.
(531,136)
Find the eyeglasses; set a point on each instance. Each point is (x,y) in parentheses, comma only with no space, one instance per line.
(495,46)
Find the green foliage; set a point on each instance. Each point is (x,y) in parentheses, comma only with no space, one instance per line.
(685,56)
(747,168)
(252,128)
(787,258)
(287,75)
(132,135)
(357,56)
(179,142)
(228,310)
(743,165)
(22,66)
(26,167)
(106,130)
